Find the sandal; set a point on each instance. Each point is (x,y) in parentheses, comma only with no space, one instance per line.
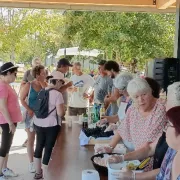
(38,176)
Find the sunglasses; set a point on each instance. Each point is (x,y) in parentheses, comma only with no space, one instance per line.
(60,81)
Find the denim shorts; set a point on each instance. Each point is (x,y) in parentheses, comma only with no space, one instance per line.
(28,121)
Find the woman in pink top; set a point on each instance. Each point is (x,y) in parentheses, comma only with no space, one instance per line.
(48,129)
(10,115)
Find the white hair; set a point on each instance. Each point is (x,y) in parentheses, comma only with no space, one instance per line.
(122,80)
(138,85)
(173,95)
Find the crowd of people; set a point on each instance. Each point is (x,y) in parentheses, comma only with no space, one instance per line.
(148,125)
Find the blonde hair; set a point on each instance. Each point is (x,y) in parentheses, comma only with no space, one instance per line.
(138,85)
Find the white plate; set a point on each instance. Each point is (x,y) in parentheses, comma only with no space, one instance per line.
(119,166)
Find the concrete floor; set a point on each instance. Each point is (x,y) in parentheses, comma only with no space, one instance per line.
(18,160)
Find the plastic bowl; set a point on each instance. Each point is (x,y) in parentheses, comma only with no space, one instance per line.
(101,169)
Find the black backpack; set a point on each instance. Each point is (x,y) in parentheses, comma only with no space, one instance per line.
(41,108)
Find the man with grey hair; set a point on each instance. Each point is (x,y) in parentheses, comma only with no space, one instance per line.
(82,83)
(28,77)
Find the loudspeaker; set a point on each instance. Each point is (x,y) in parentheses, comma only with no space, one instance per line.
(164,71)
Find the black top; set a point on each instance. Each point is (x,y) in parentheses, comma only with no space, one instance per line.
(160,151)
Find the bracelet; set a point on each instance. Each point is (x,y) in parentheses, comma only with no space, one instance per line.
(133,175)
(110,147)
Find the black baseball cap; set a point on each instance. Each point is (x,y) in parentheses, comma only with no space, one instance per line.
(7,66)
(63,62)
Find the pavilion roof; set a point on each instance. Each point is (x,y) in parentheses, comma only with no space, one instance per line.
(103,5)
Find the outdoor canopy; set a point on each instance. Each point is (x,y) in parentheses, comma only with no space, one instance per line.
(75,51)
(103,5)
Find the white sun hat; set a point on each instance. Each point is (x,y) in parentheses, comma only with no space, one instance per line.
(57,75)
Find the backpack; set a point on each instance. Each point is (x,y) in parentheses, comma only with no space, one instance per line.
(41,109)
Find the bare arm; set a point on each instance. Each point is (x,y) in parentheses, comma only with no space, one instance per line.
(4,110)
(114,96)
(112,119)
(115,140)
(146,151)
(151,175)
(23,95)
(60,110)
(65,87)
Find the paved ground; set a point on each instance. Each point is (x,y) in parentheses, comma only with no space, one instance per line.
(18,160)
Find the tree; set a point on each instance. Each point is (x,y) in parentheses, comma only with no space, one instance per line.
(129,35)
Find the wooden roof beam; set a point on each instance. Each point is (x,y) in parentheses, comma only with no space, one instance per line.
(164,4)
(138,3)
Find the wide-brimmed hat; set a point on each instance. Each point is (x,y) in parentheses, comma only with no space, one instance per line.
(7,66)
(56,75)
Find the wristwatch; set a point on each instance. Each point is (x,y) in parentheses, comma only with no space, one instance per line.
(111,147)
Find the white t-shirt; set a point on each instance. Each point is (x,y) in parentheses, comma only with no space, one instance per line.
(83,83)
(55,98)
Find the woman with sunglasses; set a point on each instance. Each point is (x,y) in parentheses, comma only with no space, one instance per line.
(47,129)
(10,115)
(28,97)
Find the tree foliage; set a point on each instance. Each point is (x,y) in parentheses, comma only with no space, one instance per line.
(129,35)
(25,33)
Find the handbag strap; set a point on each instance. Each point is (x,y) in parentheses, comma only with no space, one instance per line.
(30,87)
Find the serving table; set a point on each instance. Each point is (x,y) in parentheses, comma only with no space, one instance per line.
(69,158)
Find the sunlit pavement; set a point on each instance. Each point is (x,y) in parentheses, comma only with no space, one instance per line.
(18,160)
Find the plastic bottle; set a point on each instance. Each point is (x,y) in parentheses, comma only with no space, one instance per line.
(102,111)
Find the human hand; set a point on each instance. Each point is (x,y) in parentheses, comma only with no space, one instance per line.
(30,113)
(116,159)
(86,96)
(111,127)
(101,161)
(102,122)
(105,149)
(128,175)
(12,128)
(69,84)
(91,98)
(74,89)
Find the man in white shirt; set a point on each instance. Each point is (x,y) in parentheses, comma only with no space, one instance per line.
(82,85)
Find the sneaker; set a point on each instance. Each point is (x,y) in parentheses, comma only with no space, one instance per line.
(2,177)
(9,173)
(32,168)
